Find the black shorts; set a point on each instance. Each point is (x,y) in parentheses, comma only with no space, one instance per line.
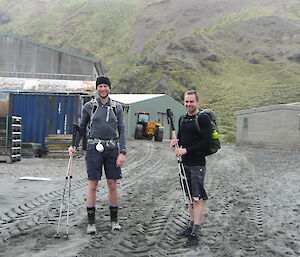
(95,161)
(195,177)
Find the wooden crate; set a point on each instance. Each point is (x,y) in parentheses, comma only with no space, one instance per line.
(57,145)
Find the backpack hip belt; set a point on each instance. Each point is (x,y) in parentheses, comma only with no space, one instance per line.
(108,143)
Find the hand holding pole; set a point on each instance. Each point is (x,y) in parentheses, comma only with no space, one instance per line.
(182,173)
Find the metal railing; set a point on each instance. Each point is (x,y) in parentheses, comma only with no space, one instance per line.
(46,75)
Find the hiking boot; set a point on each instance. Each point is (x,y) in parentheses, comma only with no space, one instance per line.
(115,225)
(91,229)
(185,233)
(192,240)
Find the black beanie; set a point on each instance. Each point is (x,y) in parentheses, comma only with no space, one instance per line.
(102,80)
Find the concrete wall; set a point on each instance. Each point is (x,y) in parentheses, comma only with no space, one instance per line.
(21,58)
(275,126)
(157,107)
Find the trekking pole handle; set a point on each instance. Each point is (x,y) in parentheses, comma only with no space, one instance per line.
(74,134)
(170,117)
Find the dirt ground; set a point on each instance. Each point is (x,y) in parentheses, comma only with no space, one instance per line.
(253,207)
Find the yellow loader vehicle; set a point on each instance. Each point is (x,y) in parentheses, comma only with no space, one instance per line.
(146,129)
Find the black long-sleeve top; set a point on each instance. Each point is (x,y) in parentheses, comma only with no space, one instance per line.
(196,143)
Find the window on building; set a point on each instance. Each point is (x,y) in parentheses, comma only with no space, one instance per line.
(245,123)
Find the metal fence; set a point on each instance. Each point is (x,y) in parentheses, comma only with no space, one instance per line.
(45,75)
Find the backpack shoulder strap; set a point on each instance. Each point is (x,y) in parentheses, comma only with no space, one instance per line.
(181,120)
(95,106)
(196,122)
(113,105)
(211,115)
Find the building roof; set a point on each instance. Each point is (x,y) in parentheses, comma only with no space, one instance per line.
(289,106)
(133,98)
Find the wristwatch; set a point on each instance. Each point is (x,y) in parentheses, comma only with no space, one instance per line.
(123,151)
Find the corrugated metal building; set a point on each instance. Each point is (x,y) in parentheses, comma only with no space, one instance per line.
(156,104)
(273,126)
(26,58)
(44,114)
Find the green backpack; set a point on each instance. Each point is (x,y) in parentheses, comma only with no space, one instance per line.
(215,143)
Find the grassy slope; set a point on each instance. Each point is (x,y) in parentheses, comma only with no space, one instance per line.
(239,84)
(99,28)
(244,85)
(103,29)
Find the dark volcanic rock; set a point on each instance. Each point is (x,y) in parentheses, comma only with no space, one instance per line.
(212,58)
(4,18)
(295,58)
(254,61)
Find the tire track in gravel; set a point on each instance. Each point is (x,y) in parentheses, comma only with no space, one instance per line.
(235,226)
(152,211)
(43,207)
(43,210)
(278,173)
(148,214)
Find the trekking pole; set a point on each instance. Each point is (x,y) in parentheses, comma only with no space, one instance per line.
(67,182)
(182,173)
(69,195)
(63,196)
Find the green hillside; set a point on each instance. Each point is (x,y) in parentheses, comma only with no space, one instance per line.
(100,29)
(241,56)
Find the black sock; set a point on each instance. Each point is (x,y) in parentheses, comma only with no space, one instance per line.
(196,228)
(191,224)
(91,214)
(113,213)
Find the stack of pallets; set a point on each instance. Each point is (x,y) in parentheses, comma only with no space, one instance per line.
(10,138)
(57,145)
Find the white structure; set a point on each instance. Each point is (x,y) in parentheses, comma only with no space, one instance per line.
(275,126)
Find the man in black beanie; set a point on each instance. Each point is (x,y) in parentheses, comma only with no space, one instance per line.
(106,148)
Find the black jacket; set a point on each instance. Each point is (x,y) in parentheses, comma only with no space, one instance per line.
(196,143)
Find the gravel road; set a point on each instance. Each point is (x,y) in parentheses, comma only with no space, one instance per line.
(253,207)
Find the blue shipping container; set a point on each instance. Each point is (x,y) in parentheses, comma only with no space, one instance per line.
(44,114)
